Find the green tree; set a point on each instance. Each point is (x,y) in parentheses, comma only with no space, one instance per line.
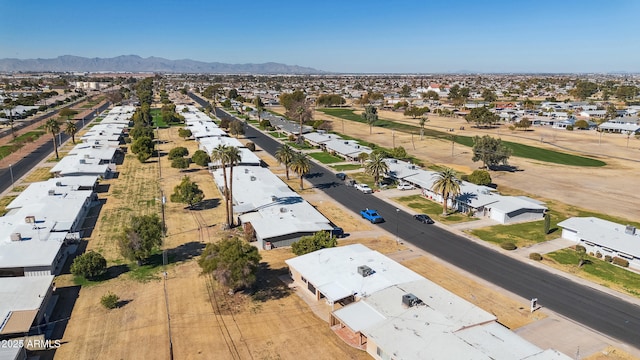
(547,223)
(400,105)
(488,95)
(201,158)
(259,107)
(289,99)
(234,157)
(180,163)
(232,262)
(415,112)
(431,95)
(370,115)
(232,94)
(480,177)
(67,112)
(405,91)
(285,155)
(143,235)
(612,112)
(581,125)
(300,165)
(187,192)
(447,185)
(236,127)
(626,92)
(184,133)
(89,265)
(110,300)
(584,89)
(178,152)
(143,147)
(317,241)
(376,166)
(481,116)
(328,100)
(53,126)
(71,129)
(490,151)
(524,123)
(219,154)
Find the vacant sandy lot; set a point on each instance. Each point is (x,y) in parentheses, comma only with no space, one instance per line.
(606,189)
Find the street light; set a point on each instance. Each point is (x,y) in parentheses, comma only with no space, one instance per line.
(11,172)
(397,228)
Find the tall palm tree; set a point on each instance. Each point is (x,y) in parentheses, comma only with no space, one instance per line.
(53,126)
(232,154)
(376,166)
(71,129)
(447,184)
(219,154)
(370,115)
(284,155)
(423,120)
(301,166)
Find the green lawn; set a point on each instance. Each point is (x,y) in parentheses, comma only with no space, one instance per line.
(325,157)
(8,149)
(28,136)
(519,150)
(362,177)
(156,114)
(295,145)
(606,274)
(431,208)
(345,167)
(277,135)
(4,202)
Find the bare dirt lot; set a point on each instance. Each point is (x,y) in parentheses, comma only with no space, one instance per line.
(605,189)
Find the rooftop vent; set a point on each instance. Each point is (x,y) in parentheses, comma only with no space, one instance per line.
(394,161)
(16,237)
(410,300)
(52,192)
(30,219)
(253,178)
(82,161)
(364,270)
(629,229)
(58,183)
(246,171)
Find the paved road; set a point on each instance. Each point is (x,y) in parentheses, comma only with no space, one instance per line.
(602,312)
(23,166)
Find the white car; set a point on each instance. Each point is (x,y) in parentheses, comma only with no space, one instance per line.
(364,188)
(405,186)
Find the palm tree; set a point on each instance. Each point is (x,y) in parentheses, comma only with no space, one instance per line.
(219,154)
(71,129)
(284,155)
(376,166)
(232,154)
(370,115)
(301,166)
(447,185)
(53,126)
(423,120)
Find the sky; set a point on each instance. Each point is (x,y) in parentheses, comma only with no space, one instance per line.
(349,36)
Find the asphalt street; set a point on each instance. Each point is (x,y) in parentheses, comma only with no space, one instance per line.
(599,311)
(23,166)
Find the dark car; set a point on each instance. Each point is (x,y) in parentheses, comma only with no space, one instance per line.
(341,176)
(423,218)
(337,232)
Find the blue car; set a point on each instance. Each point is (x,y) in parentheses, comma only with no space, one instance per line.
(371,215)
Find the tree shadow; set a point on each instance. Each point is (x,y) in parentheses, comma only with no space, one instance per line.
(190,170)
(122,303)
(268,285)
(186,251)
(552,230)
(327,185)
(313,175)
(206,204)
(114,271)
(508,168)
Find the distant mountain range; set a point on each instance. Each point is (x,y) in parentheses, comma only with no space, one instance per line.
(135,63)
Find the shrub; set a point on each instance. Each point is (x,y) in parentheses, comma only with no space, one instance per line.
(570,127)
(249,232)
(90,265)
(251,146)
(599,255)
(180,163)
(292,137)
(177,152)
(109,300)
(508,246)
(620,262)
(224,123)
(535,256)
(608,258)
(200,157)
(580,248)
(265,124)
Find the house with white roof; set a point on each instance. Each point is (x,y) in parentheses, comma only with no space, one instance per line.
(247,157)
(621,125)
(278,215)
(604,237)
(24,303)
(481,200)
(392,312)
(74,165)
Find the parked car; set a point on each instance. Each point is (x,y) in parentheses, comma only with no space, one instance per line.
(337,232)
(364,188)
(405,186)
(371,215)
(423,218)
(341,176)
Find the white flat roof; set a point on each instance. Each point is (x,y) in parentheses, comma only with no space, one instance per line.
(604,233)
(39,246)
(22,293)
(339,265)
